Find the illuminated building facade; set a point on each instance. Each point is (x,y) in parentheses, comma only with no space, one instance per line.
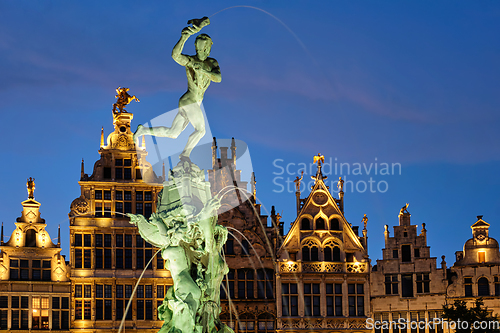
(34,279)
(405,283)
(107,254)
(248,291)
(322,267)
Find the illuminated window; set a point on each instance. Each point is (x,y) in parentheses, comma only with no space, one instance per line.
(289,300)
(83,293)
(40,313)
(481,257)
(83,250)
(312,304)
(334,299)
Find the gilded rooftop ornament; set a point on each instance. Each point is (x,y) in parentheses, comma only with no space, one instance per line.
(30,184)
(123,99)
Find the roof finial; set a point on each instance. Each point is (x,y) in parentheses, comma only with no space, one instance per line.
(319,159)
(30,184)
(1,237)
(82,171)
(59,236)
(102,137)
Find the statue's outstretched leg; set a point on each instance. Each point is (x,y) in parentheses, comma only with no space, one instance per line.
(195,116)
(178,125)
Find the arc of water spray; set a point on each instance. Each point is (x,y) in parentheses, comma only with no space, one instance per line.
(277,19)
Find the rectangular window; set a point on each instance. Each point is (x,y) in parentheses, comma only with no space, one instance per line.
(127,173)
(312,298)
(356,299)
(395,254)
(265,283)
(406,253)
(497,285)
(423,282)
(407,285)
(468,286)
(98,194)
(227,285)
(118,173)
(334,299)
(245,284)
(391,284)
(289,299)
(416,253)
(144,302)
(107,173)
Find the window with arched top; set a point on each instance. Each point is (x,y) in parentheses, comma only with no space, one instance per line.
(305,224)
(310,252)
(332,253)
(320,224)
(334,224)
(30,238)
(483,287)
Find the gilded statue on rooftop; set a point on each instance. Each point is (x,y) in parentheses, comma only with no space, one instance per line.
(123,99)
(201,71)
(30,184)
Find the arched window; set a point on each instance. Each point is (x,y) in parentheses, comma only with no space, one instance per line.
(483,287)
(305,224)
(266,323)
(30,238)
(332,253)
(320,224)
(310,253)
(334,224)
(245,248)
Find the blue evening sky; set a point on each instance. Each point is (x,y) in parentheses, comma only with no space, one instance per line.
(413,82)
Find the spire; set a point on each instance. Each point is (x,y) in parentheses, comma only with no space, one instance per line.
(233,151)
(1,237)
(254,188)
(82,172)
(59,236)
(214,153)
(163,172)
(143,142)
(102,137)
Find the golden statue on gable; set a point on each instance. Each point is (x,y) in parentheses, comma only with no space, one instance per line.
(123,99)
(30,184)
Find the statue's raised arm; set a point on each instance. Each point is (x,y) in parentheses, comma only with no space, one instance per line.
(198,24)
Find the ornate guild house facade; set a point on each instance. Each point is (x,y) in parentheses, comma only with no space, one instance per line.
(316,278)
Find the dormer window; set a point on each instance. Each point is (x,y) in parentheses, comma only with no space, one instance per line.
(335,224)
(481,257)
(320,224)
(305,224)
